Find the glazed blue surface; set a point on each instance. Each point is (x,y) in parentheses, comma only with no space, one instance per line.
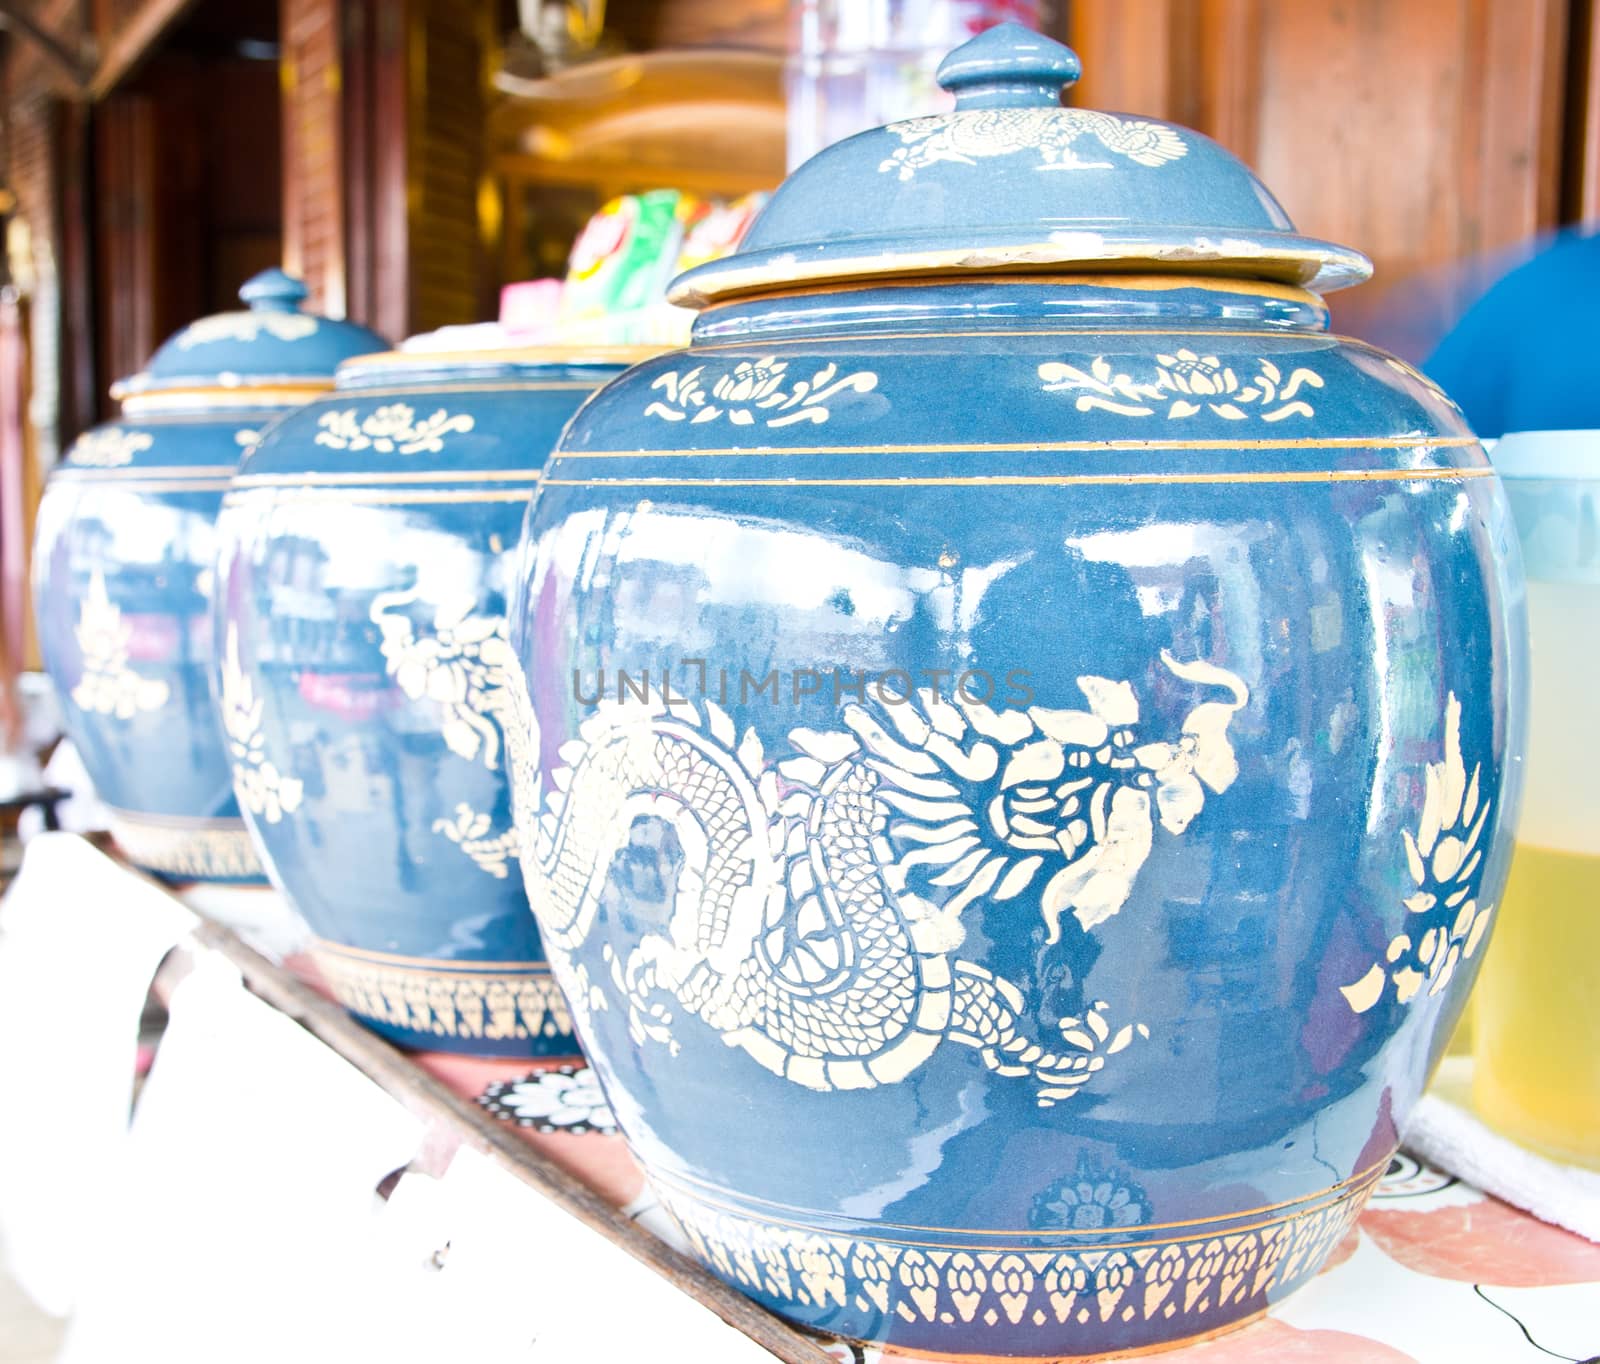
(367,549)
(1012,180)
(1291,549)
(140,532)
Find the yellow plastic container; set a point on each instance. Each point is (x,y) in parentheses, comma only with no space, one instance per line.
(1536,1028)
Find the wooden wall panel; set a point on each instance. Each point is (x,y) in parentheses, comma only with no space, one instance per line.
(314,190)
(1138,56)
(1428,133)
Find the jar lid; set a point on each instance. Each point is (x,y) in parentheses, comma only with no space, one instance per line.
(269,345)
(1011,181)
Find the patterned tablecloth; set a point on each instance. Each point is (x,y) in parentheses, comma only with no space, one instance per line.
(1435,1271)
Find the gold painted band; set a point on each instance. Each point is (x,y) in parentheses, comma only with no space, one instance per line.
(1106,279)
(88,473)
(1294,266)
(1047,447)
(220,397)
(1213,336)
(426,965)
(1039,480)
(1309,1207)
(308,480)
(402,389)
(507,355)
(157,485)
(379,496)
(221,823)
(706,1192)
(155,421)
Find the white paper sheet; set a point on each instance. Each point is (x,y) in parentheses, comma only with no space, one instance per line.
(244,1213)
(261,915)
(80,941)
(478,1263)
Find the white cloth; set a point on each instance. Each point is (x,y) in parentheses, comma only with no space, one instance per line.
(1450,1138)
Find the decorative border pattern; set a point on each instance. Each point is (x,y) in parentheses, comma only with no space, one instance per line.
(212,850)
(1208,1279)
(490,1003)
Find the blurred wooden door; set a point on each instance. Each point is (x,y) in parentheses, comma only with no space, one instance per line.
(15,502)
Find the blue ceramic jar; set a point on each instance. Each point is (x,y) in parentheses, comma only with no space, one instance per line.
(366,551)
(1017,729)
(123,564)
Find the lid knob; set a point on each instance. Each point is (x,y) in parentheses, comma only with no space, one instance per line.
(1009,67)
(273,291)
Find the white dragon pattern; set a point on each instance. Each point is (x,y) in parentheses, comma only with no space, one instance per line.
(969,135)
(459,663)
(817,914)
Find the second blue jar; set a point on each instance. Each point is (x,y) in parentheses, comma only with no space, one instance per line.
(366,549)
